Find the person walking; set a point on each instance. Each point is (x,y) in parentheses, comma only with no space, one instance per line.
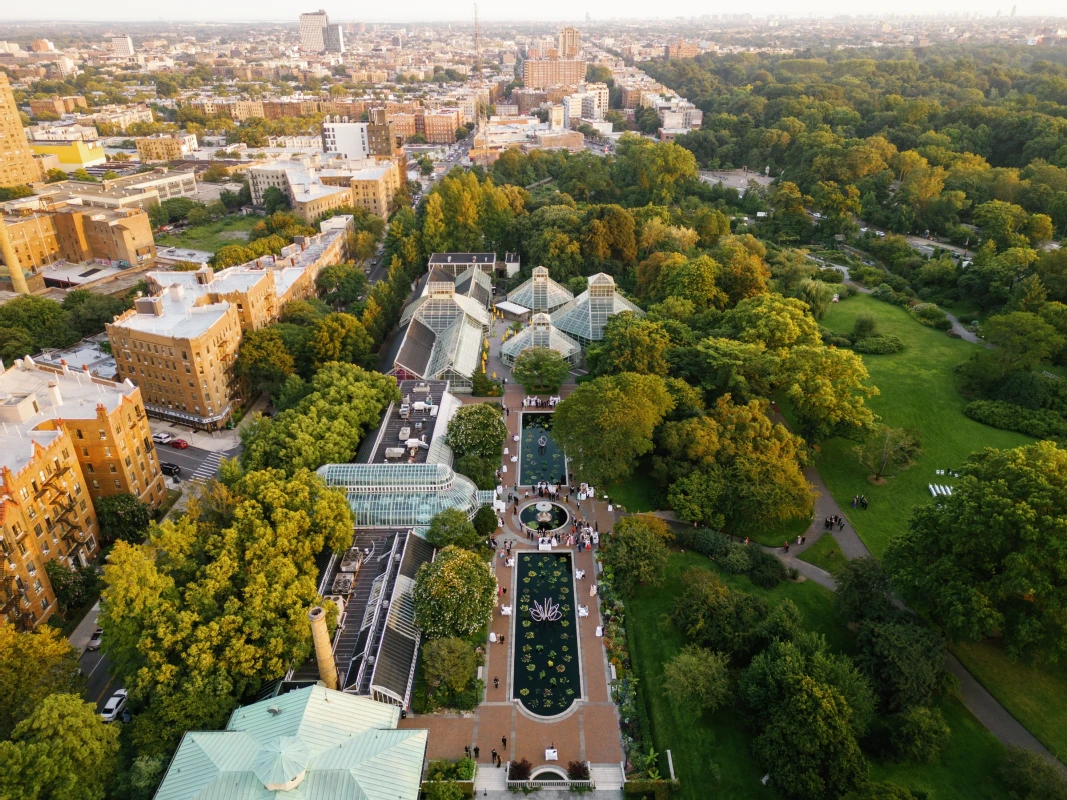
(496,683)
(495,756)
(476,752)
(504,741)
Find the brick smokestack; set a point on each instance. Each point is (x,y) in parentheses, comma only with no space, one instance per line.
(320,635)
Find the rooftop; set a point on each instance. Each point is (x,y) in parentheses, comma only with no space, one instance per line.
(32,394)
(308,744)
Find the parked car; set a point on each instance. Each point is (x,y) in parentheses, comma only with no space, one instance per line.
(95,639)
(181,444)
(115,704)
(161,438)
(170,469)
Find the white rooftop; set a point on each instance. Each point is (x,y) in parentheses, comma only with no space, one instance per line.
(26,402)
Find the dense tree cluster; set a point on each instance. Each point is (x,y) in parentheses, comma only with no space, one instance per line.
(215,603)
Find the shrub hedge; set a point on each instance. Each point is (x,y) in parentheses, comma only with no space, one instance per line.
(1041,424)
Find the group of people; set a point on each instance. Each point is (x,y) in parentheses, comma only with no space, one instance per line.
(834,519)
(539,402)
(859,500)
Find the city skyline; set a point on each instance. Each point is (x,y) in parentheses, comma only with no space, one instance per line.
(555,11)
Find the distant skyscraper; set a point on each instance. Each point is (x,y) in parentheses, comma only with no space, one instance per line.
(312,31)
(17,166)
(569,43)
(334,38)
(122,46)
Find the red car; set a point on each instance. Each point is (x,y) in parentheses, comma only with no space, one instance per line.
(181,444)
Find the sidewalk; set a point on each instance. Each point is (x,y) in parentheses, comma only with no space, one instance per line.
(79,639)
(212,441)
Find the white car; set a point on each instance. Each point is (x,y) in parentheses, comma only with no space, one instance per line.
(161,438)
(115,704)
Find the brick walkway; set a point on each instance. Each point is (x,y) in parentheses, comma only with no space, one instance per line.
(590,729)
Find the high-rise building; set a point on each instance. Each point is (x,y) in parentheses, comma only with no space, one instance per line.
(537,73)
(313,30)
(334,39)
(122,46)
(17,166)
(569,43)
(381,133)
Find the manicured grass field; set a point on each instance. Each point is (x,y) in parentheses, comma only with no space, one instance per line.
(965,769)
(637,494)
(1034,695)
(212,237)
(785,531)
(825,554)
(917,390)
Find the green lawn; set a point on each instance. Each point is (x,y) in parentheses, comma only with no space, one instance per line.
(965,769)
(637,493)
(212,237)
(1034,695)
(786,531)
(825,554)
(917,390)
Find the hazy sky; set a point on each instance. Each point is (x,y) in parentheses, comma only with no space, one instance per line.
(409,10)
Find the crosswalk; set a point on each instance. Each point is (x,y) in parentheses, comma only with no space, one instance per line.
(207,469)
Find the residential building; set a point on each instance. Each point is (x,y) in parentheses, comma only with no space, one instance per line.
(118,118)
(314,187)
(68,439)
(680,49)
(62,133)
(165,147)
(122,46)
(31,240)
(334,39)
(312,742)
(312,31)
(569,43)
(439,127)
(57,105)
(180,343)
(350,140)
(142,190)
(72,155)
(16,156)
(382,139)
(538,73)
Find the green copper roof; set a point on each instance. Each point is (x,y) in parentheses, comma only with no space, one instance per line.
(310,744)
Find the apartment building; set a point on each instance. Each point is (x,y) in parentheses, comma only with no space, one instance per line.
(58,105)
(180,344)
(17,166)
(62,133)
(570,43)
(118,118)
(31,240)
(68,440)
(165,147)
(122,46)
(538,73)
(312,31)
(348,139)
(315,186)
(439,127)
(141,190)
(382,137)
(680,49)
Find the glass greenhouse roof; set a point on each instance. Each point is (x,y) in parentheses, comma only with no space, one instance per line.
(540,293)
(586,315)
(403,495)
(540,333)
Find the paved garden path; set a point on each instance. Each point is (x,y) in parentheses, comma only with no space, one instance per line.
(986,708)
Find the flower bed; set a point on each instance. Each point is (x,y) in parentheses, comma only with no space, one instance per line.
(547,673)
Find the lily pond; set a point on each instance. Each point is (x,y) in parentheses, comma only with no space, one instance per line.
(547,677)
(542,460)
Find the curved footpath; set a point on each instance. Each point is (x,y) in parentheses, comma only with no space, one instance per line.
(986,708)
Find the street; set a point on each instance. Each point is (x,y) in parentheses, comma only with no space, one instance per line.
(196,464)
(98,683)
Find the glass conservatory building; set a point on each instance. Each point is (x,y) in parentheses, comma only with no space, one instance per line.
(403,495)
(584,318)
(540,293)
(540,333)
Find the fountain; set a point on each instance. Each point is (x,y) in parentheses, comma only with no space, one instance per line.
(545,517)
